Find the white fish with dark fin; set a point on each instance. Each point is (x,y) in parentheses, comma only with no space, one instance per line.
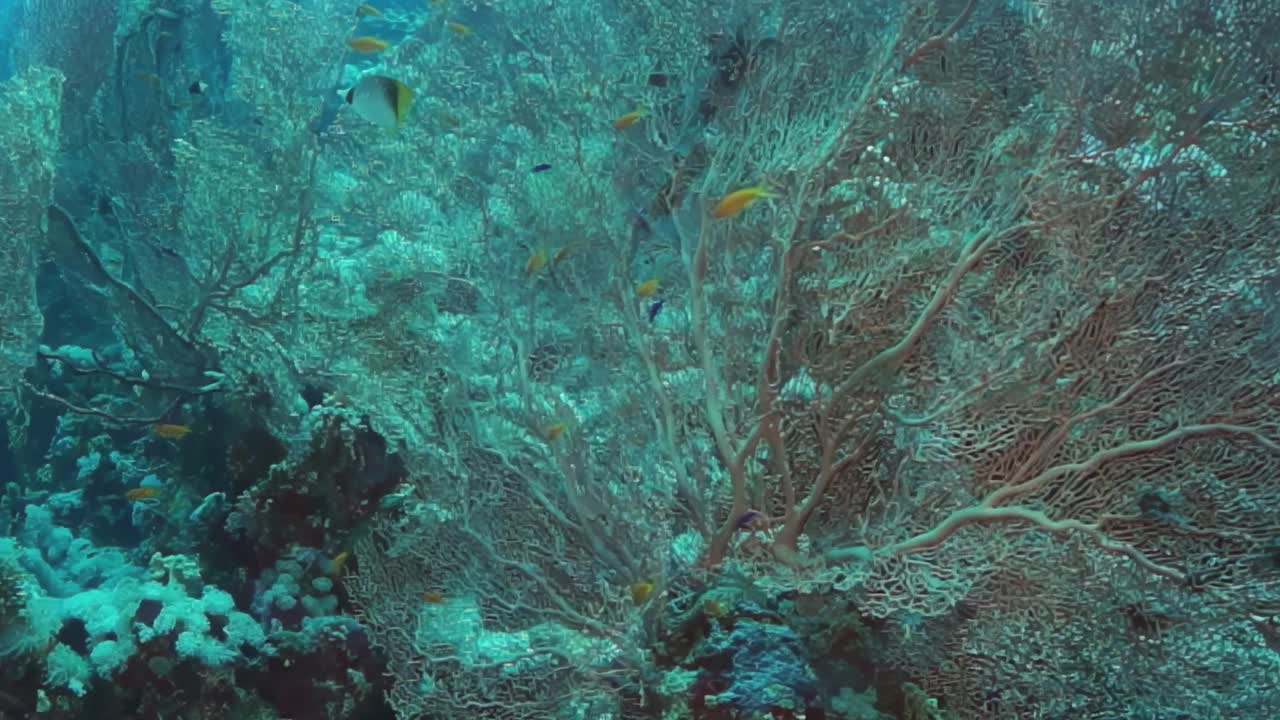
(381,100)
(198,87)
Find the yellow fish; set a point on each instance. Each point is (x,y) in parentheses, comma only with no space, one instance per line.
(623,122)
(339,562)
(739,200)
(536,261)
(433,597)
(142,493)
(367,11)
(648,288)
(169,431)
(458,28)
(641,591)
(367,44)
(553,432)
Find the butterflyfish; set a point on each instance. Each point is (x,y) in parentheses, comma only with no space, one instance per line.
(381,100)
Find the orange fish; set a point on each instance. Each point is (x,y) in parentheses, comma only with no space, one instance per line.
(433,597)
(739,200)
(536,261)
(623,122)
(554,432)
(458,28)
(367,44)
(170,431)
(142,493)
(648,288)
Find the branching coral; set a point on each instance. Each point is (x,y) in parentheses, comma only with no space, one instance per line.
(29,146)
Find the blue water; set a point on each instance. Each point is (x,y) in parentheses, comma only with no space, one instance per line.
(623,360)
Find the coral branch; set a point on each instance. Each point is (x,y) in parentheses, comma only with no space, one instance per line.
(941,38)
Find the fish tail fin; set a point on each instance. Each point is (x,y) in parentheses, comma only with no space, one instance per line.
(404,100)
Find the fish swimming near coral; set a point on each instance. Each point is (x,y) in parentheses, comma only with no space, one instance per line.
(739,200)
(170,431)
(622,122)
(655,307)
(536,261)
(750,520)
(648,288)
(641,592)
(555,430)
(367,44)
(381,100)
(367,11)
(712,607)
(339,562)
(147,492)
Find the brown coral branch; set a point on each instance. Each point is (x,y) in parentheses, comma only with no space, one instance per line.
(941,38)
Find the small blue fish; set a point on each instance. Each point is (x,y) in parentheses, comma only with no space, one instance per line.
(655,307)
(541,167)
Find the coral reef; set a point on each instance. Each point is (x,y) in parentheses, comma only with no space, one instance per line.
(760,359)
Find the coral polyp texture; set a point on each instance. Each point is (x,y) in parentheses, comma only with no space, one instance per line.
(758,359)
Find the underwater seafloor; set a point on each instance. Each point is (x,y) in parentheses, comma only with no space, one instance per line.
(731,360)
